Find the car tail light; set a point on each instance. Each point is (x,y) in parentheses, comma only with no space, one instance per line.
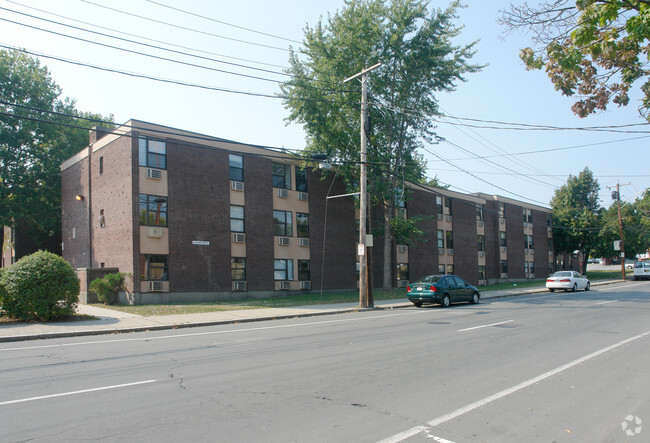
(565,280)
(549,280)
(408,289)
(433,289)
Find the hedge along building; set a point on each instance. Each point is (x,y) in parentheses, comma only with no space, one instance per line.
(199,218)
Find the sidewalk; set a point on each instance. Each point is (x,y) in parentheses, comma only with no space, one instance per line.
(111,321)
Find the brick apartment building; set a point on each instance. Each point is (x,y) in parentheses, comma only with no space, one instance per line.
(198,218)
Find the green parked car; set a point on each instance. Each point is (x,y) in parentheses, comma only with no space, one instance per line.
(442,289)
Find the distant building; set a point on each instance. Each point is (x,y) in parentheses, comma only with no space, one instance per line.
(198,218)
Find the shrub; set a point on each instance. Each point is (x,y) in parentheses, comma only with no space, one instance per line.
(41,286)
(109,286)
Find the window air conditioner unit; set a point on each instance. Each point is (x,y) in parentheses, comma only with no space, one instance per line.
(503,249)
(154,232)
(402,283)
(238,238)
(303,196)
(482,283)
(304,285)
(480,223)
(481,253)
(285,285)
(239,285)
(283,241)
(283,193)
(502,221)
(402,249)
(532,275)
(504,275)
(155,174)
(303,242)
(439,216)
(450,252)
(237,186)
(441,252)
(155,286)
(449,218)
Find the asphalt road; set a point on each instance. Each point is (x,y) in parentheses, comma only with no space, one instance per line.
(543,368)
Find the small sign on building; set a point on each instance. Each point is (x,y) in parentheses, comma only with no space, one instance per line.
(200,242)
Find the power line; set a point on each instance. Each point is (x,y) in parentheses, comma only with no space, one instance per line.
(185,28)
(94,25)
(222,22)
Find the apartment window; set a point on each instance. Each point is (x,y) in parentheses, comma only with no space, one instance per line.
(441,269)
(529,267)
(549,220)
(236,163)
(101,165)
(502,239)
(528,239)
(302,225)
(282,223)
(281,176)
(439,209)
(550,244)
(528,215)
(450,239)
(450,269)
(236,218)
(403,271)
(238,268)
(479,212)
(482,273)
(153,210)
(504,266)
(480,241)
(301,179)
(441,239)
(304,273)
(448,205)
(526,272)
(283,269)
(502,210)
(154,267)
(153,153)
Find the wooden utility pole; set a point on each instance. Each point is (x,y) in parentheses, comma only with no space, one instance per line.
(363,196)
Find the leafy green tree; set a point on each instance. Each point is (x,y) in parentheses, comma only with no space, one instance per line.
(596,49)
(577,215)
(418,60)
(38,131)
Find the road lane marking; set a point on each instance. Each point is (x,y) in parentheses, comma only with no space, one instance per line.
(228,331)
(499,395)
(605,302)
(484,326)
(63,394)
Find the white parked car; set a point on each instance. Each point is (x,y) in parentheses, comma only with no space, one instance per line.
(567,280)
(642,270)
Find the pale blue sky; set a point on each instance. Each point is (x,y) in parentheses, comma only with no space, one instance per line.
(524,165)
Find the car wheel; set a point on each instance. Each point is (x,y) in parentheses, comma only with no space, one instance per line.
(635,278)
(588,287)
(551,290)
(418,304)
(575,287)
(446,301)
(475,298)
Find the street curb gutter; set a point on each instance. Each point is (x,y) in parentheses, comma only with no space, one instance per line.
(112,331)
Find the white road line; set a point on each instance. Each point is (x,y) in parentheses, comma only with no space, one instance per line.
(605,302)
(492,398)
(63,394)
(484,326)
(228,331)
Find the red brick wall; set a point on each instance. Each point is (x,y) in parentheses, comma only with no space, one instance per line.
(198,210)
(465,243)
(74,181)
(515,239)
(339,238)
(423,255)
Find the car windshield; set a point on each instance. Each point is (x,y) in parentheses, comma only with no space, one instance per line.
(562,274)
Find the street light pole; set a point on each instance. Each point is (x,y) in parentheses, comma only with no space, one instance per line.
(363,196)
